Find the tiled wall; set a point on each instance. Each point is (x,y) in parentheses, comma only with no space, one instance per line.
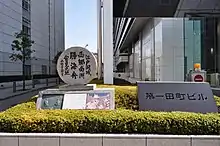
(105,140)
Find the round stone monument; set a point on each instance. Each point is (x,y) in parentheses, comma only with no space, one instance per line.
(77,66)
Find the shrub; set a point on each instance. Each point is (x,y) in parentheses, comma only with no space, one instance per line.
(17,119)
(217,100)
(96,81)
(25,118)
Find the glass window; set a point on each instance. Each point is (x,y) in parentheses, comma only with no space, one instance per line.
(26,30)
(25,20)
(26,4)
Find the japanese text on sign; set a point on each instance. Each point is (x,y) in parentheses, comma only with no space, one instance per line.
(179,96)
(66,68)
(88,66)
(76,65)
(62,66)
(81,63)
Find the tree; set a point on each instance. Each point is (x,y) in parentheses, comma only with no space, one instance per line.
(22,51)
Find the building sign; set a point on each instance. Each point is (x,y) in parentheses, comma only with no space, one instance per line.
(171,96)
(77,66)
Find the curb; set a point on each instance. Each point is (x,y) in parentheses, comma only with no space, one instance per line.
(28,91)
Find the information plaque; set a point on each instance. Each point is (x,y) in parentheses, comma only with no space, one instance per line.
(176,96)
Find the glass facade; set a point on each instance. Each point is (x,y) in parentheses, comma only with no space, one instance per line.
(192,43)
(201,43)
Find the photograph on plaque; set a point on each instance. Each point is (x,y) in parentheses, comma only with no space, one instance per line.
(98,101)
(52,101)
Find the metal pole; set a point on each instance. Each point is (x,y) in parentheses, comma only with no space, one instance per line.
(14,87)
(215,45)
(49,27)
(99,37)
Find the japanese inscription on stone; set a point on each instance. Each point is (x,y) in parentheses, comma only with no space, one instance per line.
(77,66)
(173,96)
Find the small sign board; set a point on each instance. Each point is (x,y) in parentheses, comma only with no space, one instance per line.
(98,99)
(176,96)
(198,76)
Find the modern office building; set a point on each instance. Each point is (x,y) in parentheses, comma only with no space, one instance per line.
(165,48)
(43,21)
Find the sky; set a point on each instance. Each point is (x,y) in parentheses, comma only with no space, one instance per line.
(81,24)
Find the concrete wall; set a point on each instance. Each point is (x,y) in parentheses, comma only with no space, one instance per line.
(105,140)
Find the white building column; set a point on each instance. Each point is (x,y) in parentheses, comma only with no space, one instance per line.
(99,37)
(108,41)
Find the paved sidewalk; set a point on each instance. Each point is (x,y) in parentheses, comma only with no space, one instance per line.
(8,92)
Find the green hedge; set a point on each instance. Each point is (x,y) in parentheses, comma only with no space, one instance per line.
(25,118)
(217,100)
